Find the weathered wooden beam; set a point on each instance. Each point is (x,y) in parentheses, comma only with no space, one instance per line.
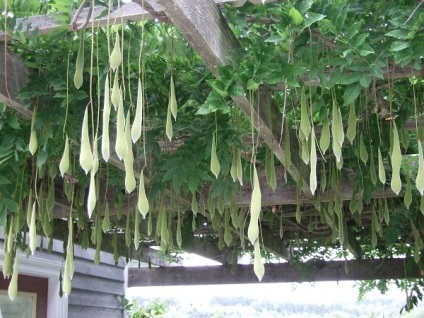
(203,26)
(277,273)
(13,76)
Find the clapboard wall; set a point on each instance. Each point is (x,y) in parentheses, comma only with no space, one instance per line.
(95,288)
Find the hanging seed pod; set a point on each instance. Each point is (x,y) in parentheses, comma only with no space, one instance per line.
(287,149)
(137,230)
(239,167)
(116,92)
(396,160)
(339,128)
(179,236)
(164,233)
(304,151)
(323,178)
(324,141)
(7,265)
(270,170)
(138,119)
(404,137)
(64,162)
(373,174)
(92,195)
(220,205)
(9,240)
(258,266)
(214,166)
(305,125)
(172,99)
(105,121)
(381,171)
(79,65)
(128,237)
(422,205)
(130,183)
(233,169)
(115,58)
(142,203)
(66,282)
(351,124)
(149,225)
(419,181)
(407,199)
(363,153)
(106,219)
(313,182)
(13,285)
(255,208)
(95,155)
(121,146)
(168,129)
(194,205)
(86,157)
(32,231)
(281,232)
(33,141)
(228,238)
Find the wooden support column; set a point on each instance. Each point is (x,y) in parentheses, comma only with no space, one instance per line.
(396,268)
(203,26)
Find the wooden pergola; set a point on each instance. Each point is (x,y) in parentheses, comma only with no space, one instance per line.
(205,29)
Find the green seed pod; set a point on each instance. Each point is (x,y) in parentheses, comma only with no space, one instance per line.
(7,264)
(313,182)
(121,146)
(92,195)
(164,233)
(13,285)
(106,219)
(255,208)
(324,141)
(396,160)
(32,231)
(194,205)
(142,203)
(363,153)
(407,199)
(323,179)
(422,205)
(214,166)
(128,237)
(287,149)
(305,125)
(172,99)
(258,266)
(33,142)
(419,181)
(115,58)
(116,92)
(239,167)
(168,129)
(105,121)
(149,225)
(270,169)
(373,174)
(351,124)
(79,65)
(130,183)
(66,282)
(304,151)
(233,170)
(381,171)
(86,157)
(64,162)
(136,230)
(138,119)
(95,155)
(179,236)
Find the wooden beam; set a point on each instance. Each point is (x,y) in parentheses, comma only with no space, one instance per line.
(203,26)
(277,273)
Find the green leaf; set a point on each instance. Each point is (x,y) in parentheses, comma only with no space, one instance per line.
(335,77)
(41,157)
(365,81)
(3,216)
(312,18)
(296,16)
(351,93)
(399,46)
(4,180)
(218,87)
(12,121)
(236,90)
(366,50)
(360,40)
(252,85)
(350,78)
(398,34)
(11,205)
